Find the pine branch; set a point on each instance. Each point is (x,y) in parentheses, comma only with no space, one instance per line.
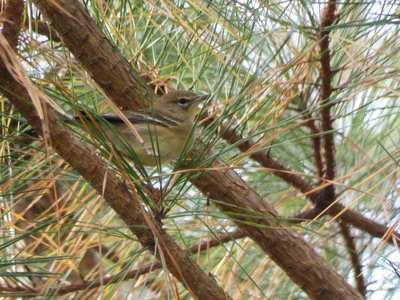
(125,275)
(260,222)
(42,28)
(90,46)
(354,257)
(116,192)
(13,21)
(327,19)
(310,191)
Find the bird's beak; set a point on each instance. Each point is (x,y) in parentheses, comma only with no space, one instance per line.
(200,98)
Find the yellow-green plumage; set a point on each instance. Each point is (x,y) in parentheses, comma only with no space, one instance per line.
(163,128)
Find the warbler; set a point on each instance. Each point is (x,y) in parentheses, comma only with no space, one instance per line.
(162,130)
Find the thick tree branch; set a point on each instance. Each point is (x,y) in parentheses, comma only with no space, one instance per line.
(259,221)
(96,54)
(116,193)
(13,24)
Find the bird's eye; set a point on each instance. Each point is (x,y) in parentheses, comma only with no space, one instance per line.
(183,101)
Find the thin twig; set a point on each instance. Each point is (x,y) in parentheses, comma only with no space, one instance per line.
(109,279)
(43,28)
(354,257)
(315,135)
(316,140)
(305,215)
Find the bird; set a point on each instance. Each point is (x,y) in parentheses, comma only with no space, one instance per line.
(162,130)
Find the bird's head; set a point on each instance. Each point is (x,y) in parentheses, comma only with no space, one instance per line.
(179,105)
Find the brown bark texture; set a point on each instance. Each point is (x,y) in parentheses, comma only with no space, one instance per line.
(92,49)
(117,195)
(259,221)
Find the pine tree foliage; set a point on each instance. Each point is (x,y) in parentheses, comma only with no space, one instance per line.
(304,107)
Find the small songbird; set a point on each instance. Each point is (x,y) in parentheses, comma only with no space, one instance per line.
(163,128)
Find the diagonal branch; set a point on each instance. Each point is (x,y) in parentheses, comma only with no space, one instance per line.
(312,192)
(116,193)
(92,49)
(259,221)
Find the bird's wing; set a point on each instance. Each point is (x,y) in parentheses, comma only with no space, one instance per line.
(141,118)
(137,118)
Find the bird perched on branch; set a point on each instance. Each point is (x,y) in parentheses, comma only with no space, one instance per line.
(156,135)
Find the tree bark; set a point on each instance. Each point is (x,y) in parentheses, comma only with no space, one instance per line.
(115,192)
(259,221)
